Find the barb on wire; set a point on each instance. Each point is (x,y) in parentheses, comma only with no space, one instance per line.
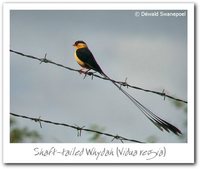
(117,138)
(45,60)
(79,129)
(38,120)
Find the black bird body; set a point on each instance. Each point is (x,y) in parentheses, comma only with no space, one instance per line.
(88,59)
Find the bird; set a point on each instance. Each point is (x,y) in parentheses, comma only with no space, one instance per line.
(86,60)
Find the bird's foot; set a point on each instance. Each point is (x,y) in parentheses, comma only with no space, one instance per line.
(86,73)
(81,71)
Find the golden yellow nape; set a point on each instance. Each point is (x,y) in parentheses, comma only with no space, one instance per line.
(81,45)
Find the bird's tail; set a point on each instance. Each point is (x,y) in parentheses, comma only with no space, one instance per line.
(157,121)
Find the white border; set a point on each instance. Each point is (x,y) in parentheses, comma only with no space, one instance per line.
(24,153)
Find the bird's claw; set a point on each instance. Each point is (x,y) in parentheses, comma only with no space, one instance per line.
(85,75)
(81,71)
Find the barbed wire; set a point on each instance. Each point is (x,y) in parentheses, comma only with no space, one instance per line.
(75,127)
(45,60)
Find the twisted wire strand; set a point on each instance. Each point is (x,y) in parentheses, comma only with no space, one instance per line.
(121,83)
(79,129)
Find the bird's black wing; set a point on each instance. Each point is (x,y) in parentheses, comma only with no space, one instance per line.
(87,57)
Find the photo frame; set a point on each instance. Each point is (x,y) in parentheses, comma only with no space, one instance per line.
(117,150)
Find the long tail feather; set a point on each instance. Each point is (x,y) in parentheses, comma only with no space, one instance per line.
(157,121)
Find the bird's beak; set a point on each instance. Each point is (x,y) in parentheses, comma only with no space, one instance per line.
(74,44)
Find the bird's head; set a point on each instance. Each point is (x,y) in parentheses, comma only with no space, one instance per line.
(80,44)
